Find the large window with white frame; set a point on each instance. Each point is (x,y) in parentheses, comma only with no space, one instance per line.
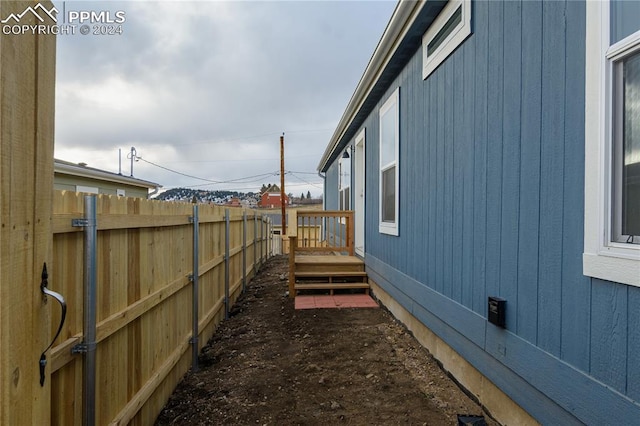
(451,27)
(344,181)
(612,142)
(389,160)
(625,88)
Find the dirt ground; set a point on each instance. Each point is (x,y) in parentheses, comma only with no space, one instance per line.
(272,365)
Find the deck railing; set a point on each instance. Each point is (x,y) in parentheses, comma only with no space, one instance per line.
(316,231)
(321,231)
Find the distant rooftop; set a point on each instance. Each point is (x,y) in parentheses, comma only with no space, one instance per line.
(82,170)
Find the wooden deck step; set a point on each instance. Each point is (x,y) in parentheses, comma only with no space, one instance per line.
(332,286)
(335,274)
(328,263)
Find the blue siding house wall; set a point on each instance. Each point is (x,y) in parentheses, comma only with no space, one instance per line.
(491,190)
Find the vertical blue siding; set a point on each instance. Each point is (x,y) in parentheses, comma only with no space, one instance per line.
(551,176)
(468,126)
(448,180)
(455,176)
(576,291)
(431,84)
(609,331)
(481,25)
(510,231)
(491,203)
(633,346)
(494,165)
(331,188)
(529,203)
(441,183)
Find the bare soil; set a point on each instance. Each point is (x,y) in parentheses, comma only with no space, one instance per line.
(269,364)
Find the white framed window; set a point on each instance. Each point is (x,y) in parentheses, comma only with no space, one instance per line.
(612,142)
(87,189)
(446,33)
(389,163)
(344,181)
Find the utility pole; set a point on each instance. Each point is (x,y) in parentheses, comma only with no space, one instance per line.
(284,217)
(132,155)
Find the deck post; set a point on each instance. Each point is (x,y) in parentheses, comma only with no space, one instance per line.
(293,242)
(350,232)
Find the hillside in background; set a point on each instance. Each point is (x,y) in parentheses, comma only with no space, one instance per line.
(248,199)
(205,196)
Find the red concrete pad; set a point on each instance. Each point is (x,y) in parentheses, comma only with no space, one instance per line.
(335,301)
(355,301)
(305,302)
(324,302)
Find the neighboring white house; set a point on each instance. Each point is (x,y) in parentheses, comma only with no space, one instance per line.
(81,178)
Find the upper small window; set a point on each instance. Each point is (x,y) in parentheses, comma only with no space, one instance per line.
(446,33)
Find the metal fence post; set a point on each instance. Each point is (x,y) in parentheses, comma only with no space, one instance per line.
(90,284)
(226,263)
(270,240)
(244,250)
(88,345)
(255,243)
(261,239)
(194,288)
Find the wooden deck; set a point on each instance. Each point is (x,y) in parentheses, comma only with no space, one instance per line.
(329,273)
(329,264)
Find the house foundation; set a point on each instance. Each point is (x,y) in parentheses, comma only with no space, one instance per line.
(497,403)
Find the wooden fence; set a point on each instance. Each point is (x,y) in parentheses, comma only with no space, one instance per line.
(144,298)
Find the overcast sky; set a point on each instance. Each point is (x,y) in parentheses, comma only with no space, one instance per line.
(205,88)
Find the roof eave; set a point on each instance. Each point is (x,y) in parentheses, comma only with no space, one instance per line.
(91,173)
(401,20)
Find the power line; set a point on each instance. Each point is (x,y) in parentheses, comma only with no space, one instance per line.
(237,180)
(303,173)
(244,180)
(304,180)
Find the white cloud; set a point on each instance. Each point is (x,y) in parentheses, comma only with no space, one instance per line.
(207,87)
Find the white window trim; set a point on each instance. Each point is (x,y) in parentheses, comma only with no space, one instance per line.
(602,258)
(390,228)
(453,40)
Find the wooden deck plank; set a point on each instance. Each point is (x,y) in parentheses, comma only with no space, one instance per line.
(331,273)
(330,286)
(328,260)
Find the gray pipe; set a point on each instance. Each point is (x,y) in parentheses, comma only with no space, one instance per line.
(90,293)
(226,264)
(194,289)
